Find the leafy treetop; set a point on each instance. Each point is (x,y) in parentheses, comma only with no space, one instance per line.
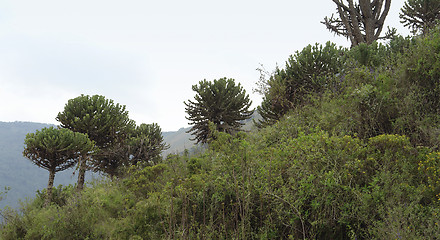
(146,144)
(104,121)
(221,102)
(56,149)
(420,15)
(309,71)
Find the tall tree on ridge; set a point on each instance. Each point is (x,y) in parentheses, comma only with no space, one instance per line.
(360,22)
(420,15)
(146,144)
(221,102)
(309,72)
(56,150)
(105,122)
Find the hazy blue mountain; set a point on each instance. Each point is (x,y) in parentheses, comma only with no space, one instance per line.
(178,141)
(19,173)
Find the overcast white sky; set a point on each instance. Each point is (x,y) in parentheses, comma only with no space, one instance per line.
(146,54)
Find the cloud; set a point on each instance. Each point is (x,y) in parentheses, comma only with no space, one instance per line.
(39,70)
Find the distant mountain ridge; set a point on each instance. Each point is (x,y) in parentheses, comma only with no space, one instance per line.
(178,141)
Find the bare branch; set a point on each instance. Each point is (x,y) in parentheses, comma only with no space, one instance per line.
(381,20)
(341,4)
(360,21)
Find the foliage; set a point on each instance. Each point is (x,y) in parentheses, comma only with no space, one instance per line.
(418,91)
(420,15)
(60,195)
(104,122)
(368,103)
(56,150)
(3,193)
(278,183)
(379,89)
(369,55)
(146,144)
(93,214)
(146,180)
(308,72)
(221,102)
(361,22)
(423,71)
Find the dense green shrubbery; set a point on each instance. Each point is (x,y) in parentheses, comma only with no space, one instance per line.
(290,184)
(382,89)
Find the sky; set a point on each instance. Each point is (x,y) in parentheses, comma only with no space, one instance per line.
(147,54)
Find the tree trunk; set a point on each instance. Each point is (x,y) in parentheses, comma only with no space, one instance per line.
(81,173)
(360,22)
(49,187)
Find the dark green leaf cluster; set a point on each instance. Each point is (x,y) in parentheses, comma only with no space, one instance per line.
(104,121)
(56,149)
(221,102)
(420,15)
(422,71)
(382,89)
(146,144)
(371,55)
(308,72)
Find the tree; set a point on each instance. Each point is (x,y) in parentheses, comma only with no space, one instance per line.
(420,15)
(56,150)
(307,72)
(221,102)
(105,122)
(360,22)
(146,144)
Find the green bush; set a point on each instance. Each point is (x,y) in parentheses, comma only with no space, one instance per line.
(307,73)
